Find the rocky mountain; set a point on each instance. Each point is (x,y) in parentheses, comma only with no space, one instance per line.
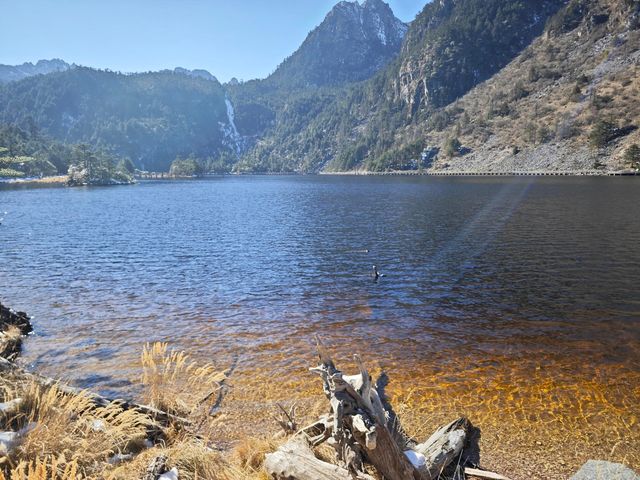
(569,102)
(156,117)
(471,86)
(152,118)
(352,43)
(197,73)
(12,73)
(452,46)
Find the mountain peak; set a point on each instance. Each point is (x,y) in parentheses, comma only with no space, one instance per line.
(197,73)
(353,42)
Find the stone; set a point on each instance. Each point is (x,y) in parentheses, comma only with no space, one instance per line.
(170,475)
(602,470)
(8,441)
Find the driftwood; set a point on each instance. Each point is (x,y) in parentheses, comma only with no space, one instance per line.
(363,429)
(156,468)
(296,460)
(475,472)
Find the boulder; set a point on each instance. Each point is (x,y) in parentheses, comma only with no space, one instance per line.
(601,470)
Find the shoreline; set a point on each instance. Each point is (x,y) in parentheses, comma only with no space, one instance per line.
(247,414)
(52,181)
(407,173)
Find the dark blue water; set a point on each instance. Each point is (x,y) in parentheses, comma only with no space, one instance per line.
(254,266)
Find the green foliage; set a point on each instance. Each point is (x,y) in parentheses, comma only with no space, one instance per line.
(186,167)
(96,167)
(150,118)
(10,173)
(602,133)
(349,158)
(568,18)
(451,147)
(632,156)
(26,154)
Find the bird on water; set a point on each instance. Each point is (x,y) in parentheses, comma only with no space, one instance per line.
(376,275)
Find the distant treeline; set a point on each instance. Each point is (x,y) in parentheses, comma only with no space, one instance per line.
(28,153)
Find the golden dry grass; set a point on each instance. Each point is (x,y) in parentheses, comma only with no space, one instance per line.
(68,430)
(10,340)
(68,437)
(54,469)
(176,384)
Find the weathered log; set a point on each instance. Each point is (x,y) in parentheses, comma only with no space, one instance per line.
(443,447)
(295,460)
(476,472)
(156,468)
(366,429)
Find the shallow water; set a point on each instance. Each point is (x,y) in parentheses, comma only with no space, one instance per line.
(501,283)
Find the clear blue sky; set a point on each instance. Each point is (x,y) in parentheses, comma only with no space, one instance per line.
(242,38)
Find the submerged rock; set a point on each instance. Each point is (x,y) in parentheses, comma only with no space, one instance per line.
(18,319)
(602,470)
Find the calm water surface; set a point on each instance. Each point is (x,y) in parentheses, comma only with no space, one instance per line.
(480,272)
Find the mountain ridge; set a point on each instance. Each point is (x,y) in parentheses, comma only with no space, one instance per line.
(12,73)
(458,93)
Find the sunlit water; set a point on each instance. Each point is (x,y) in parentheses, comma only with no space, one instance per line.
(519,294)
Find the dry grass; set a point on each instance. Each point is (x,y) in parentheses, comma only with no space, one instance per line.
(54,469)
(174,383)
(66,437)
(68,430)
(10,342)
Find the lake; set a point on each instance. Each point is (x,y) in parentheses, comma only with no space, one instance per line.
(514,295)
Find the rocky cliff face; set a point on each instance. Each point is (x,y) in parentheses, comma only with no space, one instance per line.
(352,43)
(570,102)
(455,44)
(11,73)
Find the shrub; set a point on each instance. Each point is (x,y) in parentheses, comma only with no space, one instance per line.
(602,133)
(452,147)
(632,156)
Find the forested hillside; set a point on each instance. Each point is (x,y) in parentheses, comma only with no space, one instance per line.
(472,85)
(150,118)
(451,46)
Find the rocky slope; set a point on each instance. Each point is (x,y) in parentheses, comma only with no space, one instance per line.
(353,42)
(450,47)
(569,102)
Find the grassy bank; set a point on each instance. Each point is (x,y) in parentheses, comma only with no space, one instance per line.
(53,181)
